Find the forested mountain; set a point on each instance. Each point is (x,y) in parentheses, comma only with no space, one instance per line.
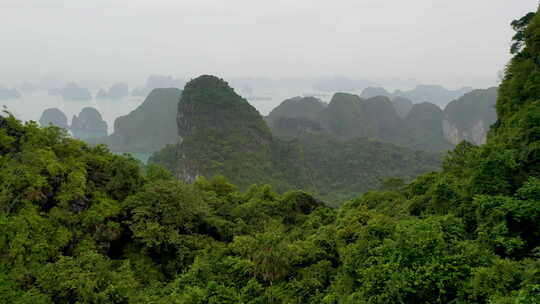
(422,126)
(221,133)
(423,129)
(296,116)
(88,125)
(348,116)
(149,127)
(344,117)
(297,107)
(82,225)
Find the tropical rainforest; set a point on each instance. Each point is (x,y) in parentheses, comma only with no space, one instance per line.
(80,224)
(222,134)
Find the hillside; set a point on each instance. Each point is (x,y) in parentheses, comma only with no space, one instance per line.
(338,170)
(383,119)
(221,134)
(88,125)
(344,117)
(296,116)
(148,128)
(422,126)
(297,107)
(402,105)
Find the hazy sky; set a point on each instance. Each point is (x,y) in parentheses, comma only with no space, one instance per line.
(451,42)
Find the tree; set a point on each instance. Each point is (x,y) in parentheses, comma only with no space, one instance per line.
(519,26)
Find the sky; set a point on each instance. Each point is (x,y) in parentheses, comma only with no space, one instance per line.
(450,42)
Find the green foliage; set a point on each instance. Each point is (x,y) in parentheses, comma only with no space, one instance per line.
(82,225)
(166,157)
(519,26)
(341,170)
(518,104)
(221,134)
(423,129)
(348,117)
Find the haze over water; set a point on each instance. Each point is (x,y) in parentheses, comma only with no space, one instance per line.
(30,106)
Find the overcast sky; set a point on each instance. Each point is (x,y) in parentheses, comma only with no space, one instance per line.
(450,42)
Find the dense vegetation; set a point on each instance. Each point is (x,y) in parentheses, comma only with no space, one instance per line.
(423,129)
(423,126)
(336,171)
(348,116)
(306,107)
(81,225)
(222,134)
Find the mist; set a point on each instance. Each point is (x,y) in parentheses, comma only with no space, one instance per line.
(452,43)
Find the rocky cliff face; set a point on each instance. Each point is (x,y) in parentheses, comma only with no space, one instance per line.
(476,134)
(88,125)
(55,117)
(469,117)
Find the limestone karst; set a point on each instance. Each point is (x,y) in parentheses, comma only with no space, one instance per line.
(55,117)
(88,124)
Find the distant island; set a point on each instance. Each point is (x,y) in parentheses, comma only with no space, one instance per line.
(9,94)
